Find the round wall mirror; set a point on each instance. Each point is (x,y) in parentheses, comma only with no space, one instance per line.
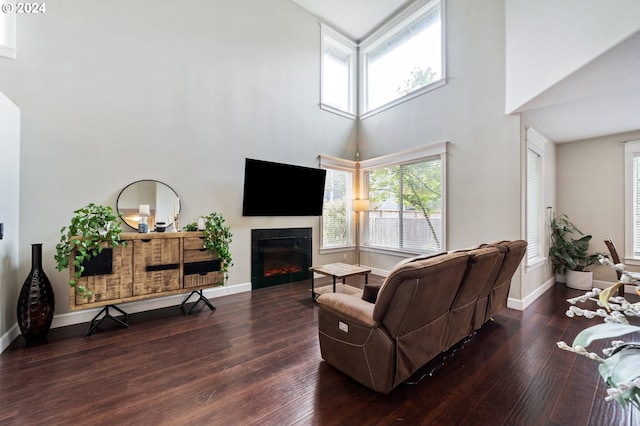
(159,199)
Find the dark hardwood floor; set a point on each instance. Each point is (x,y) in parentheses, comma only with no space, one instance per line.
(256,360)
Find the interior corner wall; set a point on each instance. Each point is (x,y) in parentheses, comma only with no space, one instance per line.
(181,93)
(591,191)
(9,215)
(483,162)
(547,40)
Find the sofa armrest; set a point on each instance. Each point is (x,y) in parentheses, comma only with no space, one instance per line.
(357,310)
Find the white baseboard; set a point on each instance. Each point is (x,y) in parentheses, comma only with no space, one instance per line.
(521,304)
(79,317)
(8,337)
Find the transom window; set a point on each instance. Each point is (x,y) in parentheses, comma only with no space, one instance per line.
(401,60)
(8,32)
(338,61)
(404,60)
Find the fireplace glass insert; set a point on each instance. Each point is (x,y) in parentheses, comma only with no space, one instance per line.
(280,256)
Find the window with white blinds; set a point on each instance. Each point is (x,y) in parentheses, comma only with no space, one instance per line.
(337,209)
(535,204)
(406,206)
(632,199)
(636,204)
(535,208)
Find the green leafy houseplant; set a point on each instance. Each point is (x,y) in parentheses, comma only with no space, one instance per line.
(569,246)
(217,238)
(90,227)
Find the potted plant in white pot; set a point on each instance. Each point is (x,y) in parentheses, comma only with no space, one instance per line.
(568,252)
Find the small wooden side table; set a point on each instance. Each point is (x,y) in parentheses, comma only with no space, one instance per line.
(338,270)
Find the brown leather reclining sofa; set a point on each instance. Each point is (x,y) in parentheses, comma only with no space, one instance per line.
(424,307)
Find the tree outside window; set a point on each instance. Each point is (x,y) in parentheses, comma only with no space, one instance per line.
(407,200)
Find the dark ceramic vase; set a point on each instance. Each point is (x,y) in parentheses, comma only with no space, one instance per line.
(36,302)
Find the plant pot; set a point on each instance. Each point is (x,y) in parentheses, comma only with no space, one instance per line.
(561,278)
(580,280)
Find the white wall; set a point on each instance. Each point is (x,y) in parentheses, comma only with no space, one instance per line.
(547,40)
(591,191)
(483,185)
(10,282)
(181,93)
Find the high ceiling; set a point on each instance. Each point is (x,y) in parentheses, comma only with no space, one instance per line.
(602,98)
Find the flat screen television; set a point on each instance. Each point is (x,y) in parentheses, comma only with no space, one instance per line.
(276,189)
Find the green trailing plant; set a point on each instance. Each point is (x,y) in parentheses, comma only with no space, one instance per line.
(569,246)
(90,228)
(217,238)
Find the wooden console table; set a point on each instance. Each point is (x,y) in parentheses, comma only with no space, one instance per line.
(153,264)
(338,270)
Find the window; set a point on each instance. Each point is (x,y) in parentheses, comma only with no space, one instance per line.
(337,229)
(8,32)
(407,199)
(338,74)
(403,60)
(535,207)
(632,200)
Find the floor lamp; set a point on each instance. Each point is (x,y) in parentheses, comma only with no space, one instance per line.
(359,206)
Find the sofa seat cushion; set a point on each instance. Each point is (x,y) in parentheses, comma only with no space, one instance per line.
(348,307)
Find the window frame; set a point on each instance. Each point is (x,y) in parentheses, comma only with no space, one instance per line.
(342,44)
(332,163)
(535,143)
(631,151)
(388,31)
(408,157)
(8,29)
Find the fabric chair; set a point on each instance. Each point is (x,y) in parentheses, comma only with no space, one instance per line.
(615,259)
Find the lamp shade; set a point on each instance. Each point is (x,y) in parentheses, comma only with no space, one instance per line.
(360,205)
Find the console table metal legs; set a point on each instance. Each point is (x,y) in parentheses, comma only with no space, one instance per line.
(201,297)
(95,322)
(123,318)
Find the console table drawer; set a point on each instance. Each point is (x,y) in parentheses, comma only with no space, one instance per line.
(198,256)
(195,252)
(193,243)
(156,266)
(210,278)
(117,284)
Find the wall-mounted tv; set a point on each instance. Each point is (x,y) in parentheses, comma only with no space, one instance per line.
(276,189)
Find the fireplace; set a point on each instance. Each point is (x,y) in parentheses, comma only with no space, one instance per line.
(280,256)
